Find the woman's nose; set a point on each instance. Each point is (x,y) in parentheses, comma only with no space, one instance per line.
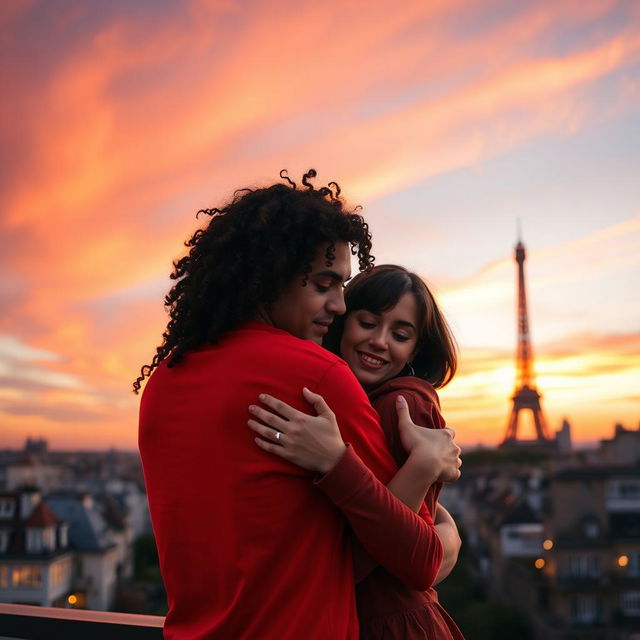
(378,339)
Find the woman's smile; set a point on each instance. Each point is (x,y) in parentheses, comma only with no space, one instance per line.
(369,360)
(378,346)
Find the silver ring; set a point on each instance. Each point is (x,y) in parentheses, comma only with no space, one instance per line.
(278,434)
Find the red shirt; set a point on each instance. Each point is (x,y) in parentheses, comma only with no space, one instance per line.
(248,546)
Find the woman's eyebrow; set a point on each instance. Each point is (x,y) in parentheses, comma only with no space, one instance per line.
(404,323)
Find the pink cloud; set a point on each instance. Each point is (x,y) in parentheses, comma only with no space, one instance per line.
(127,130)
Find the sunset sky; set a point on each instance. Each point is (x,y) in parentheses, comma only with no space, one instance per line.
(449,121)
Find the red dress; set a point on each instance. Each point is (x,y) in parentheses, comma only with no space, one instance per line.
(387,609)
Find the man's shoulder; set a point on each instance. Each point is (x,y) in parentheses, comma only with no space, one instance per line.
(281,345)
(301,362)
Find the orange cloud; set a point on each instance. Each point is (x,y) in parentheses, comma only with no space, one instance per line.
(590,379)
(128,126)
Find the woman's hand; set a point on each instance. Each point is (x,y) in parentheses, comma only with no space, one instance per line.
(311,442)
(432,449)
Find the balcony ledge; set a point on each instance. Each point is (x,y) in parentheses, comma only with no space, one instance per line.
(30,622)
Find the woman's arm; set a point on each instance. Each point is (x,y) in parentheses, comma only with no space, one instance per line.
(411,483)
(451,542)
(415,477)
(425,411)
(407,546)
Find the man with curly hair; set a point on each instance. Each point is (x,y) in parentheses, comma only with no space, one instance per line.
(249,545)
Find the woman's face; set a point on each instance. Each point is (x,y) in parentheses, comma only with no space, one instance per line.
(378,346)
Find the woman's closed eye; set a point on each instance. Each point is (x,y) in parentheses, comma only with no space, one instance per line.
(366,325)
(401,337)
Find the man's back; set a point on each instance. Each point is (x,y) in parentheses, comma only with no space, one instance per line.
(248,547)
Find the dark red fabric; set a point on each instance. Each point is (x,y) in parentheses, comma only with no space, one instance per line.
(385,528)
(424,406)
(389,609)
(248,546)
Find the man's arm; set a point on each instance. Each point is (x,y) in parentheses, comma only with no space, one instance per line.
(364,564)
(402,541)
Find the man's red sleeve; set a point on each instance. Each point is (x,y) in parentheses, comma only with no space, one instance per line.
(403,542)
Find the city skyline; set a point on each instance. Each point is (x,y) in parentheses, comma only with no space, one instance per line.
(447,121)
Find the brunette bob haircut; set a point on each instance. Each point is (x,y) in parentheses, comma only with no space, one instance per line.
(379,290)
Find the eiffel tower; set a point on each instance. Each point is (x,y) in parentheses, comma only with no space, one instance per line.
(526,396)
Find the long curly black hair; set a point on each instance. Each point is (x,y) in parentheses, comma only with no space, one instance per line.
(249,252)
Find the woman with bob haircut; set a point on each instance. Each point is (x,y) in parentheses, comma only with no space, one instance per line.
(399,346)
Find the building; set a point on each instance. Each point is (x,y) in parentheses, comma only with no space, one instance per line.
(101,554)
(35,558)
(32,470)
(622,448)
(95,502)
(560,539)
(592,559)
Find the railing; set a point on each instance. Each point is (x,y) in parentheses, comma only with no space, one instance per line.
(37,623)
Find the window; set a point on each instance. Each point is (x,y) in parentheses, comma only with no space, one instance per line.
(7,506)
(63,537)
(27,576)
(629,489)
(591,527)
(49,539)
(583,565)
(34,540)
(633,568)
(4,577)
(585,609)
(60,572)
(577,565)
(630,603)
(4,540)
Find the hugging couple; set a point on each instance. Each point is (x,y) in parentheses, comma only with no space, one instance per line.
(292,484)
